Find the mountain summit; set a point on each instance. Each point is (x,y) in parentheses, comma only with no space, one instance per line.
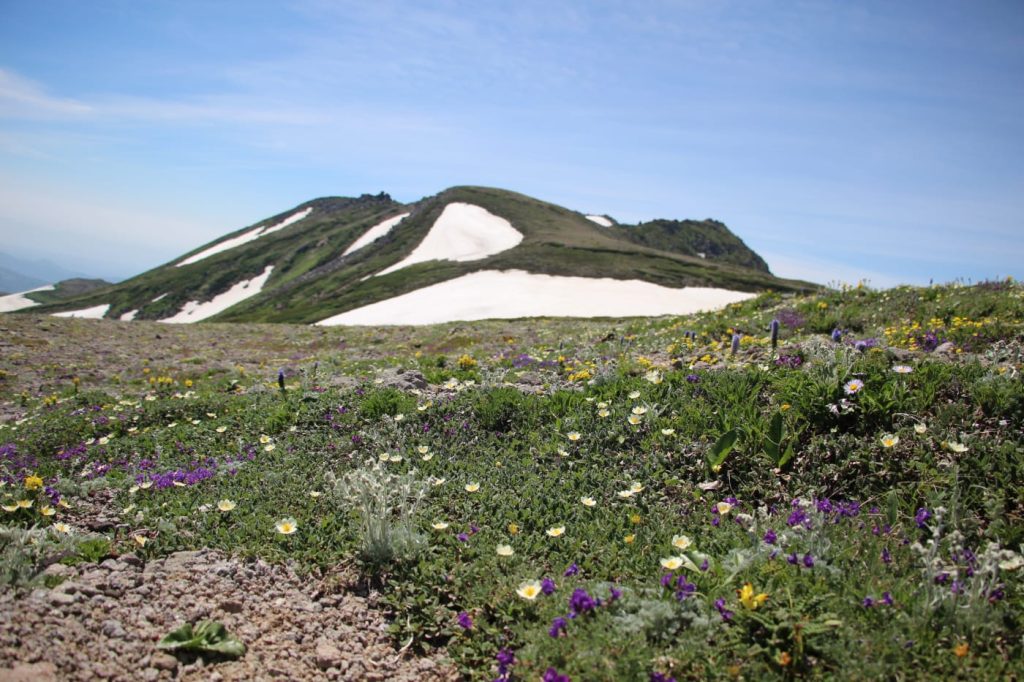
(466,253)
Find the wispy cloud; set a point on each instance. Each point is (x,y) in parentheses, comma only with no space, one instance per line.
(21,98)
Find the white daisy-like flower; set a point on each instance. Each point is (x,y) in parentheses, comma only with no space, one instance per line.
(588,501)
(681,542)
(439,525)
(671,563)
(555,531)
(504,550)
(634,395)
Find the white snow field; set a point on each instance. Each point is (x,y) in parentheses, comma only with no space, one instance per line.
(375,233)
(245,238)
(600,220)
(12,302)
(129,316)
(515,293)
(462,232)
(194,311)
(94,313)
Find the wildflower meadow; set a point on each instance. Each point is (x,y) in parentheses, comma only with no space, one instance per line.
(825,486)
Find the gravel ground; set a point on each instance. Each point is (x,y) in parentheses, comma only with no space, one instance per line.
(103,622)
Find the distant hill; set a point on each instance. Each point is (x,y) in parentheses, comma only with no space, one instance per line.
(333,255)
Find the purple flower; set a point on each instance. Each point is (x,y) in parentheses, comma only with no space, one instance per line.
(722,611)
(614,592)
(770,537)
(808,561)
(686,589)
(580,602)
(798,517)
(547,586)
(793,559)
(572,570)
(551,675)
(692,379)
(558,626)
(661,677)
(956,587)
(505,657)
(886,556)
(704,565)
(922,516)
(667,579)
(465,621)
(462,537)
(887,599)
(867,602)
(837,335)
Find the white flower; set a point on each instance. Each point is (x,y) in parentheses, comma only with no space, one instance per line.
(681,542)
(672,562)
(588,501)
(504,550)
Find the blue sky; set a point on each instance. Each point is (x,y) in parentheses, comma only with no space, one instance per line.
(877,140)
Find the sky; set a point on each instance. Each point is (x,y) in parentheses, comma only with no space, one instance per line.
(842,141)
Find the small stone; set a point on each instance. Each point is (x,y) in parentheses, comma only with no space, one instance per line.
(30,672)
(163,661)
(112,628)
(231,606)
(59,571)
(62,598)
(327,655)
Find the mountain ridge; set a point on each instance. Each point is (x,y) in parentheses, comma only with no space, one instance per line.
(305,274)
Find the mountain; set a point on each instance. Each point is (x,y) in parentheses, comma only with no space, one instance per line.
(465,253)
(20,274)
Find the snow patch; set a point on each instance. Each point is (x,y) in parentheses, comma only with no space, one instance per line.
(245,238)
(12,302)
(94,313)
(194,311)
(515,293)
(158,298)
(375,233)
(600,220)
(462,232)
(129,316)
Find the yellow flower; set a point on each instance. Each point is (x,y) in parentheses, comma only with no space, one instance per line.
(635,519)
(10,507)
(629,539)
(749,599)
(472,487)
(226,505)
(588,501)
(439,525)
(513,529)
(573,436)
(529,590)
(784,659)
(140,540)
(783,408)
(556,531)
(504,550)
(671,563)
(286,526)
(723,508)
(62,527)
(889,441)
(961,649)
(681,542)
(47,511)
(33,482)
(24,504)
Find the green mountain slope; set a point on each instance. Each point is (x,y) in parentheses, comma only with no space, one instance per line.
(312,279)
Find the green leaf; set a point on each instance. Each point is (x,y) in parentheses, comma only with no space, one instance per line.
(721,449)
(209,636)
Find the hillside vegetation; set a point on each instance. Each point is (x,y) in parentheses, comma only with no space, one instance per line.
(312,280)
(565,499)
